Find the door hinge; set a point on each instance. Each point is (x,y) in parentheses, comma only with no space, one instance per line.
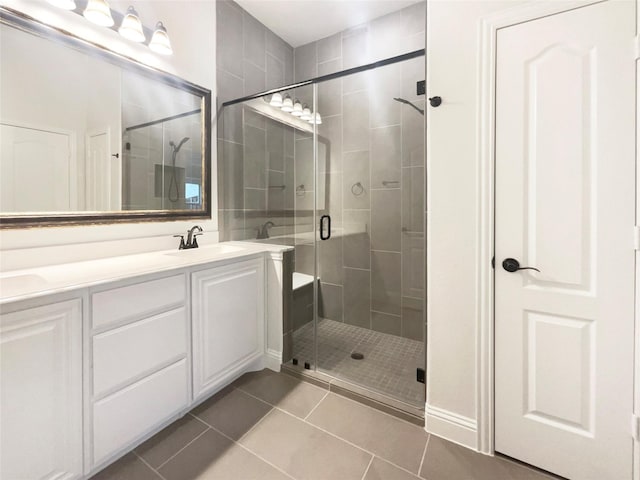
(636,237)
(635,427)
(636,47)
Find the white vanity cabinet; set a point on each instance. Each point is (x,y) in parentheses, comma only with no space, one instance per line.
(41,390)
(228,322)
(140,361)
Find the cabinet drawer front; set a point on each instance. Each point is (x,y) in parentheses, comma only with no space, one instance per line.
(122,354)
(127,415)
(138,300)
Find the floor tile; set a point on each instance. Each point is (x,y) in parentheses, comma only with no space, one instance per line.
(447,461)
(381,470)
(213,456)
(390,438)
(232,412)
(283,391)
(303,451)
(129,467)
(162,446)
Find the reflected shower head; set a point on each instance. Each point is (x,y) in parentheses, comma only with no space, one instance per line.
(402,100)
(182,142)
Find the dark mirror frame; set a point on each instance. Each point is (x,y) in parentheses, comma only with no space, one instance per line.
(13,18)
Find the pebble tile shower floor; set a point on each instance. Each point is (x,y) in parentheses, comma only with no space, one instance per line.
(271,426)
(389,363)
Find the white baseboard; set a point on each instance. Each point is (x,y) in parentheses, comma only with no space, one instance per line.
(451,426)
(272,360)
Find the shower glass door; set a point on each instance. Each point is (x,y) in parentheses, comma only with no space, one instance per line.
(369,249)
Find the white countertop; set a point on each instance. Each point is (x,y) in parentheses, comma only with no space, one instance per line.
(19,285)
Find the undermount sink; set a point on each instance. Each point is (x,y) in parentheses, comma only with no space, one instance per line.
(208,251)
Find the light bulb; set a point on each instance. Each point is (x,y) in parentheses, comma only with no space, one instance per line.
(287,104)
(276,100)
(315,118)
(297,109)
(66,4)
(160,40)
(306,113)
(131,27)
(98,12)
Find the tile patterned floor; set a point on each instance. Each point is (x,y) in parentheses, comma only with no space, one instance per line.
(271,426)
(389,364)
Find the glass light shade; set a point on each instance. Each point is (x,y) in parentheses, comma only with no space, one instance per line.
(131,27)
(297,109)
(98,12)
(276,100)
(287,104)
(160,41)
(316,118)
(306,113)
(66,4)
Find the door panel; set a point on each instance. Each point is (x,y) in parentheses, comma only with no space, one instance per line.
(565,204)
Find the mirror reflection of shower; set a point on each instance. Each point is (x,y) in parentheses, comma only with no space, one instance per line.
(173,181)
(407,102)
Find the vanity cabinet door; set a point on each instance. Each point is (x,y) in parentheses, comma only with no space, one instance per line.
(41,392)
(228,322)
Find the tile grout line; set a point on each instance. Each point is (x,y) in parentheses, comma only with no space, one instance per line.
(149,466)
(366,470)
(424,455)
(236,442)
(317,405)
(179,451)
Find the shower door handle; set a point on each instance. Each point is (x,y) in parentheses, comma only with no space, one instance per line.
(325,234)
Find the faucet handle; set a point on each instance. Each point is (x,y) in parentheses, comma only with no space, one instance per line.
(181,247)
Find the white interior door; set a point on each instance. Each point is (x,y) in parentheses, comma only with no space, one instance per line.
(565,194)
(103,184)
(37,171)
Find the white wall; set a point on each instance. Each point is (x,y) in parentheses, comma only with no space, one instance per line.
(191,27)
(453,28)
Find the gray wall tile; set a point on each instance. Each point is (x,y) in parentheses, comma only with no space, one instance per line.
(330,260)
(254,41)
(254,158)
(305,62)
(275,72)
(413,318)
(330,48)
(385,282)
(255,198)
(385,323)
(355,121)
(330,301)
(229,38)
(356,170)
(357,297)
(356,240)
(331,130)
(231,178)
(254,79)
(275,196)
(413,199)
(413,136)
(355,47)
(385,155)
(386,220)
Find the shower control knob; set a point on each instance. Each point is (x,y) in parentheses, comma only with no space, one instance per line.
(435,101)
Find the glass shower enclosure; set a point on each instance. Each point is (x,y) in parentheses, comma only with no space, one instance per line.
(336,168)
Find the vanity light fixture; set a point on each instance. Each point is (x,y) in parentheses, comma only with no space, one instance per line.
(98,12)
(315,119)
(276,100)
(306,113)
(131,26)
(66,4)
(287,104)
(160,41)
(297,109)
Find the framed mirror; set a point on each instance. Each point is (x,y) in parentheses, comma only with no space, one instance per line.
(90,136)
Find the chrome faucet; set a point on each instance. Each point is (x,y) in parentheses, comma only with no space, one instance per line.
(263,231)
(192,241)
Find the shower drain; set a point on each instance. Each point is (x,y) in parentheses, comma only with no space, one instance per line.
(357,356)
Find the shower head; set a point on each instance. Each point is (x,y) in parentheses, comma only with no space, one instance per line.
(402,100)
(182,142)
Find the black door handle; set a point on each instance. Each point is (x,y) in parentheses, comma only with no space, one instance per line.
(325,235)
(512,265)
